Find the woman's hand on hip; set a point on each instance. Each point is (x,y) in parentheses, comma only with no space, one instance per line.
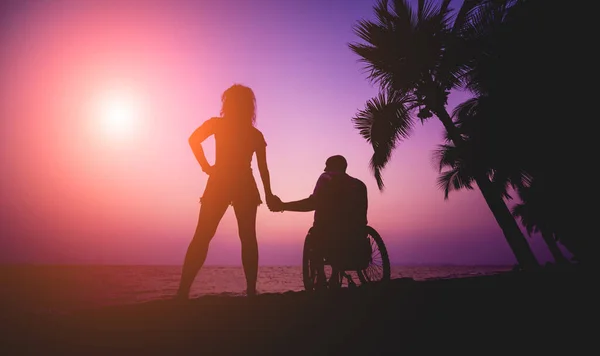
(209,170)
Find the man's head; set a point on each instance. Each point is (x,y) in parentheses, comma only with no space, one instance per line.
(336,163)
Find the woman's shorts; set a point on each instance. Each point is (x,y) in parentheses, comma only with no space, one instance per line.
(237,190)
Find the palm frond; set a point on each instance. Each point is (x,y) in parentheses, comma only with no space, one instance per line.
(454,179)
(445,56)
(500,180)
(487,30)
(521,211)
(403,11)
(374,53)
(462,18)
(382,13)
(459,173)
(385,121)
(457,58)
(538,209)
(446,156)
(465,110)
(400,48)
(428,10)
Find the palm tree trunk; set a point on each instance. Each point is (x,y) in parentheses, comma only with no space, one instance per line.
(513,234)
(558,256)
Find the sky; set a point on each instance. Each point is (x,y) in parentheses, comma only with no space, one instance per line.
(98,99)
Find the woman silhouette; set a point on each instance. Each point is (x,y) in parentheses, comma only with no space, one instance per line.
(230,182)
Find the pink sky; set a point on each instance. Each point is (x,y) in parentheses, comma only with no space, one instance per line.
(74,191)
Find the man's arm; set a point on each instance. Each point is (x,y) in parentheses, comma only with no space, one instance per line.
(308,204)
(303,205)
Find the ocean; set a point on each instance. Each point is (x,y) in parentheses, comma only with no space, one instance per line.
(62,289)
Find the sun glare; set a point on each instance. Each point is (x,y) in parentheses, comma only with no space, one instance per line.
(119,112)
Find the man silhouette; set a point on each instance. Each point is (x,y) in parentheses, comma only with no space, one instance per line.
(340,204)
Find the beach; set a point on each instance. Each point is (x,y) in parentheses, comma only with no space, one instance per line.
(512,312)
(66,288)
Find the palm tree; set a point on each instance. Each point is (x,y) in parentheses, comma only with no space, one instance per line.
(417,58)
(456,173)
(514,129)
(497,159)
(536,210)
(489,148)
(537,216)
(482,151)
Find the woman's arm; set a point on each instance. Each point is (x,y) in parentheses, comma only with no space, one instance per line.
(195,141)
(261,159)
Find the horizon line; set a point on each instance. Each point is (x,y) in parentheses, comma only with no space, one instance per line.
(32,264)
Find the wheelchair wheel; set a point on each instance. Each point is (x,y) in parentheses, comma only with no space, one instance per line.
(379,265)
(309,270)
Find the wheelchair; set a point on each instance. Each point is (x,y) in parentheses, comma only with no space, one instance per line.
(367,260)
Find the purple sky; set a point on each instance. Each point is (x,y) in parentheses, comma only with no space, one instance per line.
(79,188)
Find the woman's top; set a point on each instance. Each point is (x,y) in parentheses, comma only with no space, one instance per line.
(234,147)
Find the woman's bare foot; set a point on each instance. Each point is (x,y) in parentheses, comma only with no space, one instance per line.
(181,296)
(251,292)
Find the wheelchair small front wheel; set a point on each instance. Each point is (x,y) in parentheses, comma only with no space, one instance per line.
(311,270)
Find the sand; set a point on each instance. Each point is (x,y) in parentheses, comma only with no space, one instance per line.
(517,312)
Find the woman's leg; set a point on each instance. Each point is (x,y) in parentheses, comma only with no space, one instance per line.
(246,219)
(208,220)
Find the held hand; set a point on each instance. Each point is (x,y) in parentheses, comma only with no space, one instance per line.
(274,203)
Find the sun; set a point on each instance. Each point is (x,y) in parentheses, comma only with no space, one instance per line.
(118,112)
